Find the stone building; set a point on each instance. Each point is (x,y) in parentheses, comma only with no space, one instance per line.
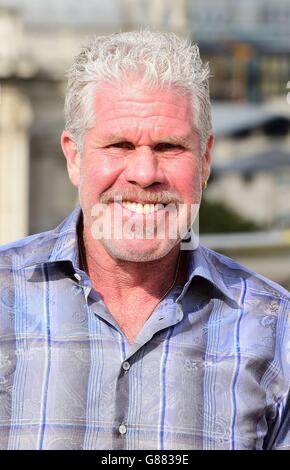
(251,162)
(38,41)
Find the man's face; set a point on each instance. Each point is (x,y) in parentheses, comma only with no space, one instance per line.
(142,149)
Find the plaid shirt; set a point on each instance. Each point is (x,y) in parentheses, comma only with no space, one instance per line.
(209,370)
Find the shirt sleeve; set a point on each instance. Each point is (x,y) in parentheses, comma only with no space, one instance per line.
(278,437)
(281,430)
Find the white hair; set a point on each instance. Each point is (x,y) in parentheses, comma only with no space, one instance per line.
(164,59)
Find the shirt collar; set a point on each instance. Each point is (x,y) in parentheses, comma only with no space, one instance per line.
(62,243)
(59,244)
(202,264)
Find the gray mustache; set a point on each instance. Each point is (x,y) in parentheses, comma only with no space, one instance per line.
(144,197)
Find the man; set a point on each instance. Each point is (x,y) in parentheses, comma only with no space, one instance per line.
(112,337)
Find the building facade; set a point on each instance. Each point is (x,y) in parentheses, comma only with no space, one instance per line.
(37,43)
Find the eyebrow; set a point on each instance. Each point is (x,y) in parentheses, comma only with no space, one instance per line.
(174,140)
(184,141)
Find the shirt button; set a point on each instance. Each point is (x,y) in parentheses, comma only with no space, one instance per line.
(126,365)
(77,277)
(122,429)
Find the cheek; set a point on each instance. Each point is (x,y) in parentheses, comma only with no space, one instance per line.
(185,176)
(99,174)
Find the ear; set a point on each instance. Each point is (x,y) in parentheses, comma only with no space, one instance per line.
(206,159)
(72,156)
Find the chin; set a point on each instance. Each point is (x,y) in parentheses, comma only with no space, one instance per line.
(137,250)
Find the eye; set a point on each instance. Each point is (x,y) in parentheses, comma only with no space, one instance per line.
(165,146)
(122,145)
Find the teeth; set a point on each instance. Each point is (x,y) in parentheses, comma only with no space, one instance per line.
(139,208)
(142,208)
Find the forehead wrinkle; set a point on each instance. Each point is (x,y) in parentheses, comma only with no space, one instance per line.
(123,108)
(131,116)
(170,139)
(125,126)
(173,102)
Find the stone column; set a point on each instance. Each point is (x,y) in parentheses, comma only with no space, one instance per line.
(15,120)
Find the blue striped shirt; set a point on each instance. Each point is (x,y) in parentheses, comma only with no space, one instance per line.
(209,369)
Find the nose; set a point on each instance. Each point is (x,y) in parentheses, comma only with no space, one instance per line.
(144,168)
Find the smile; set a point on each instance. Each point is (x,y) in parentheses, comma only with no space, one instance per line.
(139,208)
